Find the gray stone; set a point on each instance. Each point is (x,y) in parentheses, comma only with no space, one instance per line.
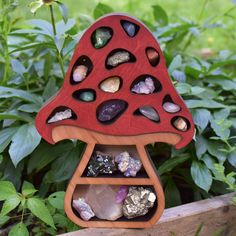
(101,37)
(129,28)
(118,58)
(171,107)
(149,112)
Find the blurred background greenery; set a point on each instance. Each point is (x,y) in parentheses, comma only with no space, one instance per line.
(200,11)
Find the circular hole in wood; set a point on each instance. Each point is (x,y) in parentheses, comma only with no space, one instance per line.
(101,37)
(117,57)
(111,84)
(169,106)
(145,84)
(153,56)
(180,123)
(110,110)
(81,69)
(130,28)
(84,95)
(61,113)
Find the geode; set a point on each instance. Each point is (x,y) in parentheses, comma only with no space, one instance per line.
(83,209)
(101,163)
(138,202)
(127,164)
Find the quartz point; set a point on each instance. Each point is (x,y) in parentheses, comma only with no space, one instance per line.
(61,115)
(80,73)
(127,164)
(101,163)
(138,202)
(121,194)
(171,107)
(153,56)
(110,109)
(101,37)
(129,28)
(180,124)
(110,85)
(144,87)
(118,58)
(150,113)
(87,96)
(102,199)
(83,209)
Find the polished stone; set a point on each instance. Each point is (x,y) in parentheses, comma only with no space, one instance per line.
(102,199)
(171,107)
(101,163)
(61,115)
(127,164)
(138,202)
(129,28)
(110,85)
(118,58)
(153,56)
(87,96)
(101,37)
(144,87)
(150,113)
(110,109)
(83,209)
(80,73)
(180,124)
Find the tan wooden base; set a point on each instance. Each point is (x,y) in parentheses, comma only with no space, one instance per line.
(114,144)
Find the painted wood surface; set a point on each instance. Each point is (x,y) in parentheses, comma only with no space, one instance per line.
(217,216)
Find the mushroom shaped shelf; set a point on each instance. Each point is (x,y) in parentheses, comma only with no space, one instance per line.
(117,96)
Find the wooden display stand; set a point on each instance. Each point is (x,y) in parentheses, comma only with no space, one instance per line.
(129,132)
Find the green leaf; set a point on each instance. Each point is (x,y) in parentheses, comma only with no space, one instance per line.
(101,9)
(39,209)
(183,88)
(64,11)
(232,158)
(209,161)
(28,189)
(160,15)
(170,164)
(172,194)
(19,230)
(50,89)
(222,114)
(200,145)
(201,175)
(10,203)
(5,137)
(25,140)
(194,103)
(201,117)
(4,220)
(221,128)
(7,190)
(57,200)
(175,64)
(215,149)
(30,108)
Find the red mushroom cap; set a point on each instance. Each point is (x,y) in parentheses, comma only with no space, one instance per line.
(84,114)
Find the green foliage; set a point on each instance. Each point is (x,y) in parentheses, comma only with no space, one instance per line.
(33,60)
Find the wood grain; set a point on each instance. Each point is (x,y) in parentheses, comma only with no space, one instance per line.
(217,216)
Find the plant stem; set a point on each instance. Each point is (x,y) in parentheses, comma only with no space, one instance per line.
(53,20)
(22,215)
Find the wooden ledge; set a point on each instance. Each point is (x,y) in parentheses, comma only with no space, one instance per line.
(217,216)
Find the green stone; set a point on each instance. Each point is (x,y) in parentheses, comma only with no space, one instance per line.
(87,96)
(101,37)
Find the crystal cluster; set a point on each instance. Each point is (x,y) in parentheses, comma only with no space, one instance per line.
(80,73)
(144,87)
(101,163)
(101,37)
(112,202)
(83,209)
(127,164)
(110,109)
(61,115)
(118,58)
(138,202)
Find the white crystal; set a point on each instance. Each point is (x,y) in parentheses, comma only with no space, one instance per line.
(61,115)
(117,58)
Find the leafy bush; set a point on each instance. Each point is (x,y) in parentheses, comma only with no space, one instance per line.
(33,61)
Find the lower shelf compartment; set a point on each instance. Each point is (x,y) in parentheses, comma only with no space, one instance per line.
(85,192)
